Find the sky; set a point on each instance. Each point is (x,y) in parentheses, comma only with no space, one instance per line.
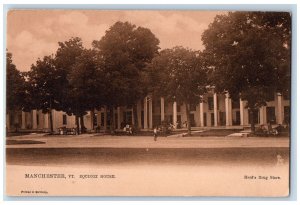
(32,34)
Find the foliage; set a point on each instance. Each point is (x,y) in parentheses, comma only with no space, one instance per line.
(43,87)
(249,54)
(15,86)
(65,58)
(125,51)
(43,80)
(85,84)
(178,74)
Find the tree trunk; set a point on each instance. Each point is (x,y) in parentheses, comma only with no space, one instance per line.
(135,117)
(77,124)
(251,112)
(187,109)
(112,120)
(83,129)
(51,121)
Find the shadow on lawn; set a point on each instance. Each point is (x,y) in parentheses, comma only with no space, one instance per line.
(16,142)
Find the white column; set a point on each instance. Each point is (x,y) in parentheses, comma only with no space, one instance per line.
(46,121)
(262,115)
(242,112)
(98,118)
(23,126)
(146,113)
(201,114)
(162,109)
(215,110)
(119,117)
(279,109)
(34,123)
(139,114)
(150,114)
(54,121)
(228,110)
(175,113)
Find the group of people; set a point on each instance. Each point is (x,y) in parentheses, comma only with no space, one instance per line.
(178,125)
(128,129)
(269,129)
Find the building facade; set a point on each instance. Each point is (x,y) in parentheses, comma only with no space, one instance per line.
(216,110)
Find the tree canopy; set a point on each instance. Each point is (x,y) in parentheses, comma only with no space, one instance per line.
(15,86)
(43,87)
(125,51)
(179,74)
(249,54)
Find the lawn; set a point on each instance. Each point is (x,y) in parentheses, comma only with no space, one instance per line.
(216,133)
(179,156)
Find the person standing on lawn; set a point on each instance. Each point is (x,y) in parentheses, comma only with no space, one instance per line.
(155,133)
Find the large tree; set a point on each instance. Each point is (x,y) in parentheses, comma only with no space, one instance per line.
(15,87)
(179,74)
(65,59)
(125,50)
(249,54)
(86,87)
(44,86)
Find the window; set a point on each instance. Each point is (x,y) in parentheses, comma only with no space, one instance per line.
(238,118)
(210,102)
(102,119)
(192,120)
(95,119)
(255,116)
(64,119)
(37,119)
(128,117)
(179,118)
(271,117)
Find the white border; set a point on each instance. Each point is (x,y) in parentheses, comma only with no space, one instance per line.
(211,2)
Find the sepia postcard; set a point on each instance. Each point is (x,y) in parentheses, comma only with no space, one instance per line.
(148,103)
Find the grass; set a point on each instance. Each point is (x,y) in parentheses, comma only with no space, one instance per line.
(16,142)
(13,134)
(135,156)
(216,133)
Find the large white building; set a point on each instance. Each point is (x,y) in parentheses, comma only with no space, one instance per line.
(216,110)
